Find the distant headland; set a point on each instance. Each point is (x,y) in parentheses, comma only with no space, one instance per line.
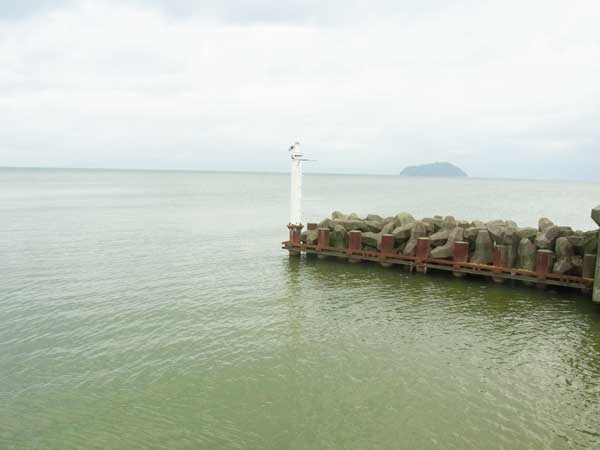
(437,169)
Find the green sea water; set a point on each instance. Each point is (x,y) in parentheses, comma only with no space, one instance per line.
(156,310)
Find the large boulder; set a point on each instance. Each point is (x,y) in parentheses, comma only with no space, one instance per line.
(496,229)
(350,225)
(527,233)
(437,223)
(403,232)
(338,238)
(544,224)
(404,218)
(447,250)
(388,227)
(478,224)
(354,216)
(511,241)
(418,231)
(371,240)
(448,223)
(429,225)
(374,226)
(565,231)
(527,252)
(483,248)
(327,223)
(564,256)
(439,238)
(545,239)
(374,217)
(337,215)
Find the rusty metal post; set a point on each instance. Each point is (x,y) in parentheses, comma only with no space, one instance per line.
(596,294)
(295,234)
(500,259)
(423,253)
(423,248)
(354,244)
(544,260)
(386,248)
(461,255)
(323,241)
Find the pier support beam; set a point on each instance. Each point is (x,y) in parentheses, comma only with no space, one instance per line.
(460,255)
(354,244)
(596,293)
(386,248)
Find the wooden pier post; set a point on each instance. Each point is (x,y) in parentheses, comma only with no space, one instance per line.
(386,248)
(461,255)
(596,293)
(354,245)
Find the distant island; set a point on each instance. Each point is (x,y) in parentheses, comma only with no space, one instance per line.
(437,169)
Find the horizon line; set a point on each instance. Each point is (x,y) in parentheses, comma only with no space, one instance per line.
(280,172)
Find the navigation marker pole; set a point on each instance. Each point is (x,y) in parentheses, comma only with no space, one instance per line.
(295,226)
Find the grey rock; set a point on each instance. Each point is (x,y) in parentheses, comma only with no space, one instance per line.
(478,224)
(565,231)
(338,237)
(496,230)
(403,233)
(372,240)
(374,217)
(527,233)
(327,223)
(447,250)
(511,224)
(439,238)
(350,225)
(404,218)
(437,223)
(354,216)
(337,215)
(545,239)
(544,224)
(418,231)
(373,226)
(483,248)
(564,256)
(449,223)
(526,253)
(464,224)
(388,227)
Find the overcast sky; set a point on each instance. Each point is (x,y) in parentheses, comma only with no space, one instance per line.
(502,88)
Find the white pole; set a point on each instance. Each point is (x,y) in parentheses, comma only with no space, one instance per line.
(296,185)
